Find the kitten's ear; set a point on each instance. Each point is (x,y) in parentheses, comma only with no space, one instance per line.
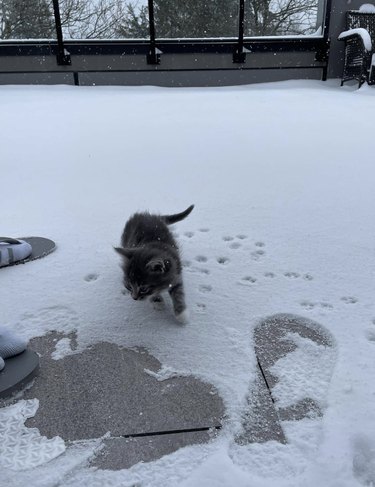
(128,253)
(158,265)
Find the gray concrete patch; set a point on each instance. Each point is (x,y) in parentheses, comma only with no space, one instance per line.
(306,408)
(105,389)
(271,344)
(261,422)
(262,419)
(120,453)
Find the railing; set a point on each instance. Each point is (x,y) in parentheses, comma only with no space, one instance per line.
(239,46)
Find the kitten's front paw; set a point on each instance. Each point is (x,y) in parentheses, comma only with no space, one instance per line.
(183,317)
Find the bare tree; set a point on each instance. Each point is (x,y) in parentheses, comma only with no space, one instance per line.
(188,18)
(95,19)
(280,17)
(26,19)
(98,19)
(219,18)
(80,19)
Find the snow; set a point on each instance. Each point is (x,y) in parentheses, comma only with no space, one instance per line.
(62,348)
(165,373)
(367,8)
(284,207)
(303,373)
(363,33)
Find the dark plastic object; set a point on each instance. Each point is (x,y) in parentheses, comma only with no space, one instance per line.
(18,371)
(41,247)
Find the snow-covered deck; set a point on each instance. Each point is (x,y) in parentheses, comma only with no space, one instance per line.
(283,223)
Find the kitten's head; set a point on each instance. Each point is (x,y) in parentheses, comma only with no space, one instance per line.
(147,271)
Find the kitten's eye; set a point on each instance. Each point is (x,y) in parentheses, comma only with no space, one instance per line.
(128,287)
(144,289)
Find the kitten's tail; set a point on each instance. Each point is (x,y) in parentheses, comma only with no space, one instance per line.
(170,219)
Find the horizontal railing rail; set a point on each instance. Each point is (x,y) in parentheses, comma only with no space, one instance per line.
(153,49)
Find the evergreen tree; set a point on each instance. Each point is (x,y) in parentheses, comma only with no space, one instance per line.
(219,18)
(196,18)
(135,25)
(190,18)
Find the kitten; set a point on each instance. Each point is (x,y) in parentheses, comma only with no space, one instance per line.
(151,259)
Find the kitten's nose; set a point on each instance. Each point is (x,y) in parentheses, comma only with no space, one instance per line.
(135,296)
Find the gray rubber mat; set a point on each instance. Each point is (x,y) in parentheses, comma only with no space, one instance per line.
(18,371)
(41,247)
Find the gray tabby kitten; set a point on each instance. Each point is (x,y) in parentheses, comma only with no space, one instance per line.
(151,260)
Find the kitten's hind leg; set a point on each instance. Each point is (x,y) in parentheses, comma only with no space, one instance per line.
(157,301)
(177,294)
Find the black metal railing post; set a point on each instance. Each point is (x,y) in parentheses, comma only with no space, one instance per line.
(322,55)
(63,57)
(239,55)
(153,56)
(327,18)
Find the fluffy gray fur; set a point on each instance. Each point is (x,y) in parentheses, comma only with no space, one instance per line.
(151,259)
